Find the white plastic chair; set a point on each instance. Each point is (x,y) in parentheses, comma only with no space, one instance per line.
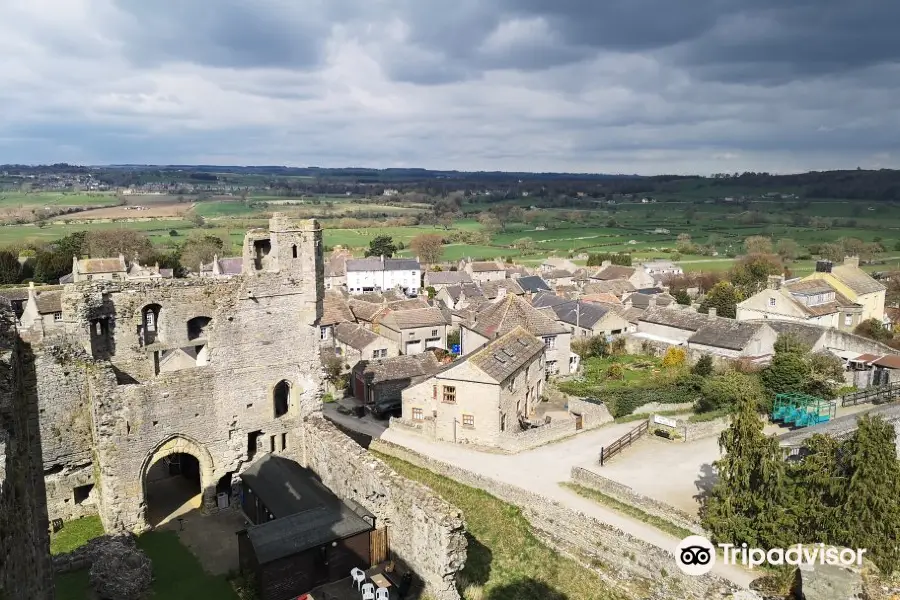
(358,575)
(368,591)
(382,594)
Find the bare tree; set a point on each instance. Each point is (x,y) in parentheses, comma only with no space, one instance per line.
(429,247)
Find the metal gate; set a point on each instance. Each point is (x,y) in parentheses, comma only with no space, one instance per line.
(378,545)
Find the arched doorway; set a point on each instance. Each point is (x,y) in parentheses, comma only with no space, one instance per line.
(173,488)
(177,478)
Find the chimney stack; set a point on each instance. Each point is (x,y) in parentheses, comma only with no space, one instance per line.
(651,303)
(712,312)
(606,263)
(775,282)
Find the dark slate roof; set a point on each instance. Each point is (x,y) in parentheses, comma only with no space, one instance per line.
(720,332)
(469,290)
(533,284)
(505,315)
(557,274)
(574,312)
(307,514)
(650,291)
(447,277)
(507,354)
(355,336)
(399,367)
(388,264)
(680,319)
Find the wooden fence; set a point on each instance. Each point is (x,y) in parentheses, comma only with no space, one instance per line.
(623,442)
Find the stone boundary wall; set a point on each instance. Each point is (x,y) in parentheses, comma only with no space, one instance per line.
(593,415)
(648,409)
(622,558)
(424,531)
(702,430)
(625,494)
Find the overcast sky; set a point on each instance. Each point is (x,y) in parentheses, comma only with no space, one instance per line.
(615,86)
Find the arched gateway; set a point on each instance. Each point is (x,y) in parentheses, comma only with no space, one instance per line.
(176,478)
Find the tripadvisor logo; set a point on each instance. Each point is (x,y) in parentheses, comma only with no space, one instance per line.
(696,555)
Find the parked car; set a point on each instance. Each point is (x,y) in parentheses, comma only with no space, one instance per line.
(386,408)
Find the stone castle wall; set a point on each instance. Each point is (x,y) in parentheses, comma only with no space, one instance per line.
(25,570)
(424,531)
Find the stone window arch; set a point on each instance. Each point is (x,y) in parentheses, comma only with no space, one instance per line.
(150,322)
(182,444)
(294,250)
(281,398)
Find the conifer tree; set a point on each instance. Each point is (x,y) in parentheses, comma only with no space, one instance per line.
(871,512)
(818,486)
(748,503)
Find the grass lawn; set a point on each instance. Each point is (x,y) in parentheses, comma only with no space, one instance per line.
(14,199)
(177,574)
(627,509)
(505,560)
(74,534)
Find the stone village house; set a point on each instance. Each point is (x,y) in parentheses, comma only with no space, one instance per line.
(353,343)
(414,331)
(813,301)
(584,319)
(481,271)
(482,397)
(379,274)
(854,284)
(505,315)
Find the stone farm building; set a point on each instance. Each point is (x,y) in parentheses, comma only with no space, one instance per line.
(204,375)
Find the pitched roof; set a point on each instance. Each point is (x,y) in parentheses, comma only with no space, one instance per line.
(808,333)
(469,290)
(486,266)
(364,311)
(614,272)
(507,354)
(447,277)
(643,300)
(335,309)
(888,362)
(612,286)
(499,318)
(377,264)
(533,284)
(856,279)
(49,302)
(811,287)
(307,514)
(491,289)
(574,312)
(399,367)
(557,274)
(21,293)
(516,271)
(602,297)
(408,304)
(410,319)
(101,265)
(720,332)
(679,319)
(355,336)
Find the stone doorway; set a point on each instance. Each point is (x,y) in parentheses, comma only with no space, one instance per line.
(172,488)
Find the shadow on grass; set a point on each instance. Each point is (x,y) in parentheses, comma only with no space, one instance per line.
(526,589)
(177,573)
(478,563)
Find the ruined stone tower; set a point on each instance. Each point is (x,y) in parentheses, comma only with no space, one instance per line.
(216,369)
(24,542)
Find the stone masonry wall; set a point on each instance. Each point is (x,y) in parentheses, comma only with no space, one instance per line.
(624,561)
(424,531)
(66,436)
(261,330)
(625,494)
(25,570)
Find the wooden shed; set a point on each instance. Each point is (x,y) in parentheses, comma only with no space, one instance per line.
(302,535)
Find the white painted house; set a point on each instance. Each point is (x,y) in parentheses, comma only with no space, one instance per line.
(380,274)
(661,268)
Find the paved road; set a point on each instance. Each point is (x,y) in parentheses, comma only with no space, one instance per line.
(367,425)
(542,469)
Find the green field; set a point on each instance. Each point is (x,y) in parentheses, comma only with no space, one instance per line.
(624,227)
(32,199)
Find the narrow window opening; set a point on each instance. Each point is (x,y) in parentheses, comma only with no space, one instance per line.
(294,250)
(253,443)
(284,441)
(281,398)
